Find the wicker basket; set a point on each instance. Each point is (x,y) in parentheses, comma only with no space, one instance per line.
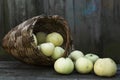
(19,40)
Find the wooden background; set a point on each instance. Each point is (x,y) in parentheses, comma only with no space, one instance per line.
(95,24)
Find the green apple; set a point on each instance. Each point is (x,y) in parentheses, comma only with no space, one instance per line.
(41,37)
(64,65)
(105,67)
(74,55)
(35,39)
(55,38)
(92,57)
(58,52)
(83,65)
(47,48)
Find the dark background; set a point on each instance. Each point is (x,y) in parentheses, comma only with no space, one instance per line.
(94,24)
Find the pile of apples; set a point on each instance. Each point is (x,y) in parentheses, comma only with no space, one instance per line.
(50,45)
(85,64)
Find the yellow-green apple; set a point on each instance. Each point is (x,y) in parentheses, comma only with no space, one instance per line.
(41,37)
(105,67)
(74,55)
(92,57)
(58,52)
(83,65)
(47,48)
(55,38)
(64,65)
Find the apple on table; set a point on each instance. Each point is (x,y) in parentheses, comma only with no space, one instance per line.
(105,67)
(74,55)
(64,65)
(83,65)
(92,57)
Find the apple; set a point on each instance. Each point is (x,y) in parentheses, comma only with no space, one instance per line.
(105,67)
(83,65)
(41,37)
(55,38)
(92,57)
(47,48)
(58,52)
(64,65)
(74,55)
(35,39)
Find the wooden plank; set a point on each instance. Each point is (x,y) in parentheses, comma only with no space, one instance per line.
(15,65)
(46,7)
(69,14)
(4,23)
(87,25)
(107,6)
(116,12)
(51,7)
(92,15)
(79,36)
(81,24)
(118,9)
(54,7)
(16,70)
(30,8)
(6,17)
(34,8)
(20,11)
(110,31)
(39,6)
(11,13)
(1,27)
(1,21)
(60,7)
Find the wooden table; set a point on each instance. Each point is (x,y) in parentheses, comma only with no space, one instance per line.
(15,70)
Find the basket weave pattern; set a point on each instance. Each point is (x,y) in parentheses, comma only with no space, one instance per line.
(19,41)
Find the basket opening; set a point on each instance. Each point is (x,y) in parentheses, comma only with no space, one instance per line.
(49,26)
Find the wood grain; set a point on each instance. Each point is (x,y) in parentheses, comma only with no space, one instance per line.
(94,24)
(19,71)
